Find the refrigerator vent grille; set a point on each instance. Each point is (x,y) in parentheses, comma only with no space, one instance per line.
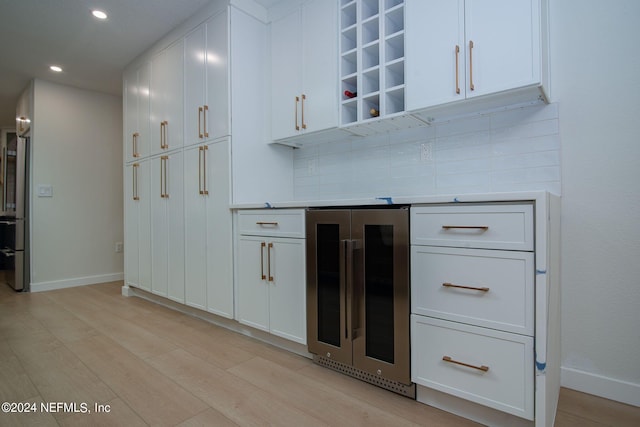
(394,386)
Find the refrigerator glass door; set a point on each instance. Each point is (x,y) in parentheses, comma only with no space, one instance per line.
(381,341)
(328,327)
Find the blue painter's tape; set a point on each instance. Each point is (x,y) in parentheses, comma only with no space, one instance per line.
(540,366)
(389,200)
(267,205)
(541,271)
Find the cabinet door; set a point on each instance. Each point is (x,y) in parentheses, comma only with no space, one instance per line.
(506,44)
(286,76)
(195,223)
(219,229)
(435,52)
(217,78)
(320,65)
(167,226)
(175,221)
(208,247)
(130,115)
(136,99)
(167,102)
(194,81)
(287,303)
(144,119)
(159,228)
(131,225)
(253,287)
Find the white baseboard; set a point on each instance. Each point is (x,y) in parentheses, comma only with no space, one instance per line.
(78,281)
(598,385)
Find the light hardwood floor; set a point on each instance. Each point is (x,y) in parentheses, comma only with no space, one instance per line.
(154,366)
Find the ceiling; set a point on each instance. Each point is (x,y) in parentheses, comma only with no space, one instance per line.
(35,34)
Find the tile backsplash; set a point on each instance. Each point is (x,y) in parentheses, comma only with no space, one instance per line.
(512,150)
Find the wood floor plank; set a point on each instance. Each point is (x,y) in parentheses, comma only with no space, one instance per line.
(60,376)
(153,396)
(207,418)
(603,411)
(210,344)
(119,414)
(314,397)
(15,384)
(136,339)
(391,402)
(36,418)
(237,399)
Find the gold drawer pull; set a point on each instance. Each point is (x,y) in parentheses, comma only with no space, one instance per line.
(473,288)
(466,227)
(479,368)
(273,223)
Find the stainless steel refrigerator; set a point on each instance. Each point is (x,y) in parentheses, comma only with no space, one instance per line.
(14,258)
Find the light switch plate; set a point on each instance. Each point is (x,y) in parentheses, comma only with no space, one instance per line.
(45,190)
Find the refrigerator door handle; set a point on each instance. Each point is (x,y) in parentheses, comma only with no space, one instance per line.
(345,286)
(352,312)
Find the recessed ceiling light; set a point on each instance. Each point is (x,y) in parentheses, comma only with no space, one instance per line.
(99,14)
(55,68)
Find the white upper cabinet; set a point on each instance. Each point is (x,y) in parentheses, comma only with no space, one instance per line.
(167,102)
(206,81)
(304,70)
(463,49)
(136,97)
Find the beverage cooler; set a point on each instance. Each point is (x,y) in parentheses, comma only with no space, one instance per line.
(358,293)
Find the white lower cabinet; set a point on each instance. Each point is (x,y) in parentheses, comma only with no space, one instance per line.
(489,367)
(271,273)
(483,322)
(208,225)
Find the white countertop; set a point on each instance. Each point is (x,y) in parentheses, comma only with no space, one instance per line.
(404,200)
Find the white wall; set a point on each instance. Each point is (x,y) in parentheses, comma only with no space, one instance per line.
(77,149)
(596,81)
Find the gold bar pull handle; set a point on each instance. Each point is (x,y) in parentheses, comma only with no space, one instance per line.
(457,69)
(262,276)
(267,223)
(304,125)
(482,368)
(296,113)
(471,86)
(206,112)
(135,144)
(135,181)
(472,288)
(269,247)
(163,177)
(466,227)
(163,135)
(200,190)
(205,191)
(166,172)
(200,110)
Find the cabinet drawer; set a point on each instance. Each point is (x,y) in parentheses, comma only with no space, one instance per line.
(270,222)
(487,288)
(487,226)
(494,369)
